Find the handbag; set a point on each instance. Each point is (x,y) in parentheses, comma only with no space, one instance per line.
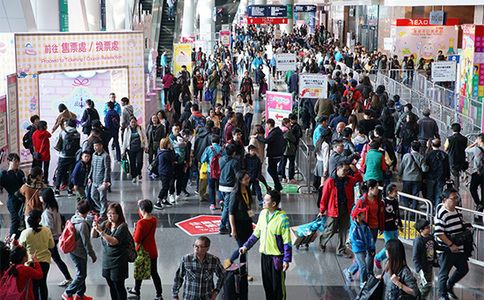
(373,289)
(142,263)
(131,247)
(464,238)
(203,171)
(125,164)
(208,95)
(35,154)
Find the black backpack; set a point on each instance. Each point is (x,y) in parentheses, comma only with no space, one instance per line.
(27,138)
(71,143)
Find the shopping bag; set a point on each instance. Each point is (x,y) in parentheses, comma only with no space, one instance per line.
(203,171)
(142,265)
(372,290)
(208,96)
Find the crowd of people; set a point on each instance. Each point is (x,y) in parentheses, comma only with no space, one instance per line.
(361,137)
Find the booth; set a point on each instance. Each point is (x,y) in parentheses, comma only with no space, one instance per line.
(422,39)
(69,68)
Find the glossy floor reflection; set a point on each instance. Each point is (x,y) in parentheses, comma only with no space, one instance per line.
(312,274)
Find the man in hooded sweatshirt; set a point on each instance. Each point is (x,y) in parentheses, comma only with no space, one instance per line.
(68,143)
(112,122)
(79,254)
(275,150)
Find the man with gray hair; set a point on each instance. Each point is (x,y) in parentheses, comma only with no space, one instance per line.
(427,130)
(196,270)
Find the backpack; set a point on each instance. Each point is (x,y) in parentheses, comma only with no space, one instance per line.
(9,288)
(115,122)
(197,121)
(214,165)
(27,138)
(480,166)
(71,143)
(67,240)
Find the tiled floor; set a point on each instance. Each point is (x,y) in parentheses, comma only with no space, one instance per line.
(312,274)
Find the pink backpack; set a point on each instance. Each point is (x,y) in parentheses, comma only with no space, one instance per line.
(67,240)
(9,289)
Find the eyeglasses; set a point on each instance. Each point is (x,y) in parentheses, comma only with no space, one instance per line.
(198,246)
(454,198)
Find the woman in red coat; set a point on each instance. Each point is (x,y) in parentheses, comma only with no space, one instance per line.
(41,145)
(375,216)
(24,274)
(144,233)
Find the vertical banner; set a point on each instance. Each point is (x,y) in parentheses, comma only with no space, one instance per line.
(182,57)
(313,86)
(225,38)
(279,106)
(3,132)
(12,113)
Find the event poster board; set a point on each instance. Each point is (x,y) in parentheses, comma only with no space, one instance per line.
(313,86)
(286,62)
(182,57)
(279,106)
(422,39)
(225,38)
(3,132)
(12,108)
(7,59)
(61,52)
(444,71)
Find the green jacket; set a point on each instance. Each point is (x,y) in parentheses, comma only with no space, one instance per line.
(375,164)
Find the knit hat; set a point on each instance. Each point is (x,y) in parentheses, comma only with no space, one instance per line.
(356,211)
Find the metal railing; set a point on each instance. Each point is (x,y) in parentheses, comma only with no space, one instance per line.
(304,166)
(411,216)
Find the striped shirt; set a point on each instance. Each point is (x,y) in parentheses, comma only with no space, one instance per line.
(448,223)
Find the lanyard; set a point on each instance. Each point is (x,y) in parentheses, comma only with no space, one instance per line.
(246,198)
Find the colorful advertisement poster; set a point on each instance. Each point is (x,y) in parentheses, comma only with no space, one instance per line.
(3,132)
(279,106)
(286,62)
(12,109)
(422,39)
(313,86)
(39,53)
(182,57)
(225,38)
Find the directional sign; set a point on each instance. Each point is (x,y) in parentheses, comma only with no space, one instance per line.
(201,225)
(304,8)
(279,106)
(267,11)
(313,86)
(266,20)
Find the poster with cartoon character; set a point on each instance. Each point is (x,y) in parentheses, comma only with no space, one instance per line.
(423,40)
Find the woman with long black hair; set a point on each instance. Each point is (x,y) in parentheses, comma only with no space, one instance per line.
(38,241)
(240,214)
(24,274)
(51,219)
(398,279)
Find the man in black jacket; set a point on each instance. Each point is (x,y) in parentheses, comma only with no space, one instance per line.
(456,148)
(438,174)
(275,150)
(295,128)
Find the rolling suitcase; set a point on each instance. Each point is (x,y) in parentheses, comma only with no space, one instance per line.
(236,283)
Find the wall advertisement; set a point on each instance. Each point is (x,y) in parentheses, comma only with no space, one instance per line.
(12,109)
(182,57)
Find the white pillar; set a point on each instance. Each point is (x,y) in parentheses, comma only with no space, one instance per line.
(207,26)
(479,14)
(46,14)
(188,20)
(290,12)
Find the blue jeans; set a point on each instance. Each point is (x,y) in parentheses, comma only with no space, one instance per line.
(212,187)
(171,12)
(78,286)
(412,188)
(387,235)
(369,258)
(115,138)
(214,96)
(254,184)
(225,213)
(360,264)
(434,191)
